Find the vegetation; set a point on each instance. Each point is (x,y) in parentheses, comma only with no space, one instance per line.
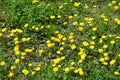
(59,39)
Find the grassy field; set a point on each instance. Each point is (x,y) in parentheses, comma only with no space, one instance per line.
(59,40)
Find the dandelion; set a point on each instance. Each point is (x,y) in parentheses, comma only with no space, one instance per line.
(35,1)
(81,73)
(112,41)
(92,47)
(92,42)
(72,63)
(70,17)
(80,28)
(80,61)
(62,58)
(2,63)
(75,23)
(116,7)
(93,37)
(61,48)
(1,34)
(59,66)
(106,58)
(36,28)
(30,64)
(82,24)
(109,5)
(85,43)
(58,52)
(73,46)
(64,23)
(26,25)
(4,29)
(40,52)
(59,16)
(23,39)
(37,69)
(116,73)
(105,63)
(105,46)
(86,6)
(100,40)
(55,69)
(94,6)
(66,69)
(17,61)
(57,60)
(94,29)
(25,71)
(105,54)
(52,17)
(102,59)
(114,2)
(13,67)
(60,7)
(76,15)
(112,62)
(11,74)
(33,72)
(76,71)
(100,50)
(76,4)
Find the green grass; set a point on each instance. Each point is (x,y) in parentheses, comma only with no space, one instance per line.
(80,42)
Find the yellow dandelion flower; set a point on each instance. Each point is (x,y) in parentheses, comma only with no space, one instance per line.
(94,29)
(17,61)
(70,17)
(37,69)
(80,28)
(114,2)
(105,63)
(24,39)
(52,17)
(66,69)
(112,41)
(1,34)
(2,63)
(82,24)
(100,50)
(76,71)
(35,1)
(58,52)
(60,7)
(112,62)
(64,23)
(73,46)
(76,4)
(105,54)
(105,46)
(25,71)
(26,25)
(81,73)
(102,59)
(4,29)
(13,67)
(75,23)
(109,4)
(11,74)
(116,7)
(116,73)
(55,69)
(92,47)
(59,16)
(85,43)
(36,28)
